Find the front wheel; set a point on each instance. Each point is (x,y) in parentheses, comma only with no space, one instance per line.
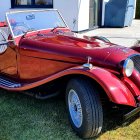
(84,108)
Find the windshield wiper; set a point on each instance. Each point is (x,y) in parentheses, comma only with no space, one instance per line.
(57,27)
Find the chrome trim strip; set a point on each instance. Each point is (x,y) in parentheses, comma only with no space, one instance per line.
(133,55)
(125,62)
(9,84)
(124,66)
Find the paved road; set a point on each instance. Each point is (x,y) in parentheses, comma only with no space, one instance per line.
(127,36)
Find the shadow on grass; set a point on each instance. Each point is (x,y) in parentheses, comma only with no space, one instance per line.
(23,117)
(114,119)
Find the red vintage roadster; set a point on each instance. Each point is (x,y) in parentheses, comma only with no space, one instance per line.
(40,56)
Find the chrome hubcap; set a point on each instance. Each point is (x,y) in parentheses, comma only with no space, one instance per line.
(75,108)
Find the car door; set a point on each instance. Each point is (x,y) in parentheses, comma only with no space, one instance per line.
(8,62)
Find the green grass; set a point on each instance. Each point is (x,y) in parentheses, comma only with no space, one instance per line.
(25,118)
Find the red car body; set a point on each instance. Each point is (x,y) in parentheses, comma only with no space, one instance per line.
(38,58)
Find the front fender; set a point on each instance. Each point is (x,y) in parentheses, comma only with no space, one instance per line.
(113,86)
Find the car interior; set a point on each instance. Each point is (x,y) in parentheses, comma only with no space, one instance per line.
(4,33)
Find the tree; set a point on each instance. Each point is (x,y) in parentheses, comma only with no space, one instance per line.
(138,9)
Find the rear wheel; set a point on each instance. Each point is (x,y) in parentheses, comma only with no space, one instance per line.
(84,108)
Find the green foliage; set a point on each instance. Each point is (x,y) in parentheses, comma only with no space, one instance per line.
(138,42)
(25,118)
(138,10)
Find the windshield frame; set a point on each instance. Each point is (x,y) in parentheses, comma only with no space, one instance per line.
(26,11)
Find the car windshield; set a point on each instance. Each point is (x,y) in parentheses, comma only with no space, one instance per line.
(22,22)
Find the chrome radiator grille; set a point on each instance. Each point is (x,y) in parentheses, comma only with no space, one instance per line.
(136,60)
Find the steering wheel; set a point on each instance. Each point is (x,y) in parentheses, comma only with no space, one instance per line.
(4,35)
(20,28)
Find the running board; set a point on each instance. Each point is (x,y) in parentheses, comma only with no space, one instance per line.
(132,113)
(6,83)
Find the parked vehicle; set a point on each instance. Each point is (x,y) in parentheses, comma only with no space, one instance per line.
(40,56)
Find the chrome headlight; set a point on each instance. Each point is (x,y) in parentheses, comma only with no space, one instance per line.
(128,67)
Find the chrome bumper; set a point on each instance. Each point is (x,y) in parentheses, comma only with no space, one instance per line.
(132,113)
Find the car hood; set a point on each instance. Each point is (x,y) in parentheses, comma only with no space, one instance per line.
(75,48)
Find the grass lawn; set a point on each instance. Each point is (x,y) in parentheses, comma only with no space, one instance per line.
(25,118)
